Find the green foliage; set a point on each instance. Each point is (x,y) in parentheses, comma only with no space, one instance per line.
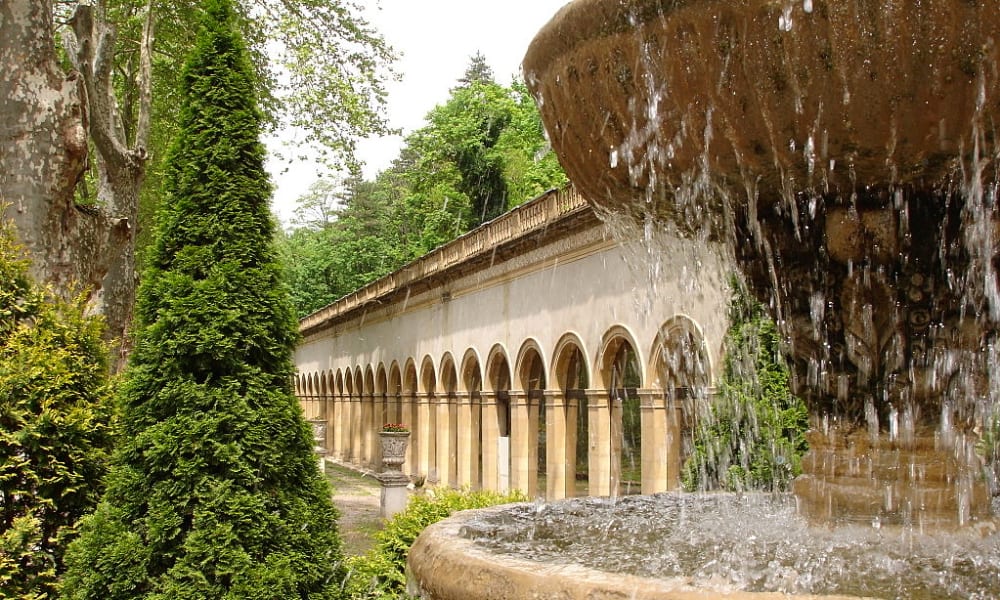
(214,492)
(753,435)
(55,429)
(481,153)
(382,572)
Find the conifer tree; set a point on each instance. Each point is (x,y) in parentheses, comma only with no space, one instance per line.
(54,426)
(214,492)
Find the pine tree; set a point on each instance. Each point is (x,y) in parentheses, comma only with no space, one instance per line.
(215,492)
(54,426)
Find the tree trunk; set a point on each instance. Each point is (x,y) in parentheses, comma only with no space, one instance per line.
(43,153)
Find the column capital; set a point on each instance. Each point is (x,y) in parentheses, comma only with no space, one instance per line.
(596,397)
(652,398)
(517,397)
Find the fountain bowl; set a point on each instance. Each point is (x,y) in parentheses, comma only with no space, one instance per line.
(764,96)
(690,547)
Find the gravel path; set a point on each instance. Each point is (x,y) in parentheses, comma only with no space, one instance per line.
(357,497)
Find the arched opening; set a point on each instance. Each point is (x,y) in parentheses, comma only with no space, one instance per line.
(471,419)
(497,468)
(427,459)
(682,370)
(622,374)
(394,391)
(447,424)
(369,409)
(529,452)
(411,416)
(573,379)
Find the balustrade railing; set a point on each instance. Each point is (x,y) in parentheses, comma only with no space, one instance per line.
(519,221)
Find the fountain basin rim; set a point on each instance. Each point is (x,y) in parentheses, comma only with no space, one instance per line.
(444,565)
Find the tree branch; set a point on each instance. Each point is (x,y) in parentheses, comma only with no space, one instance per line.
(145,84)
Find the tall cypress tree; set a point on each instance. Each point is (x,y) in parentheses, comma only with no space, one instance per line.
(215,491)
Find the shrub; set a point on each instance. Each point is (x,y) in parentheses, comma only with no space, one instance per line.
(382,572)
(753,435)
(55,431)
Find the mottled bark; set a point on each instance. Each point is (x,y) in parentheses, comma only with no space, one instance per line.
(121,163)
(43,153)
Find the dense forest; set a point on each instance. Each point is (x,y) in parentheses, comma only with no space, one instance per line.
(481,152)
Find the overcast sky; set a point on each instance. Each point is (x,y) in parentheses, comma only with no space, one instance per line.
(436,39)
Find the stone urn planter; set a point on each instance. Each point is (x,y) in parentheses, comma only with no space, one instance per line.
(393,449)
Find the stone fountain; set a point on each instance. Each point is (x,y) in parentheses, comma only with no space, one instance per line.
(848,150)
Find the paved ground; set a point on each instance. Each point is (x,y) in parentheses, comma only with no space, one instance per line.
(357,497)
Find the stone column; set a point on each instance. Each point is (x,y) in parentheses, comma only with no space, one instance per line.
(654,441)
(467,449)
(617,434)
(555,446)
(336,426)
(370,410)
(375,425)
(572,416)
(491,435)
(674,437)
(329,418)
(523,443)
(423,441)
(356,427)
(445,449)
(408,417)
(599,421)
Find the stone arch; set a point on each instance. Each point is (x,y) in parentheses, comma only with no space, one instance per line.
(383,407)
(530,371)
(471,373)
(348,382)
(394,385)
(308,387)
(680,368)
(339,383)
(409,379)
(394,396)
(498,373)
(325,383)
(614,340)
(570,368)
(428,377)
(679,357)
(369,384)
(381,379)
(359,382)
(448,374)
